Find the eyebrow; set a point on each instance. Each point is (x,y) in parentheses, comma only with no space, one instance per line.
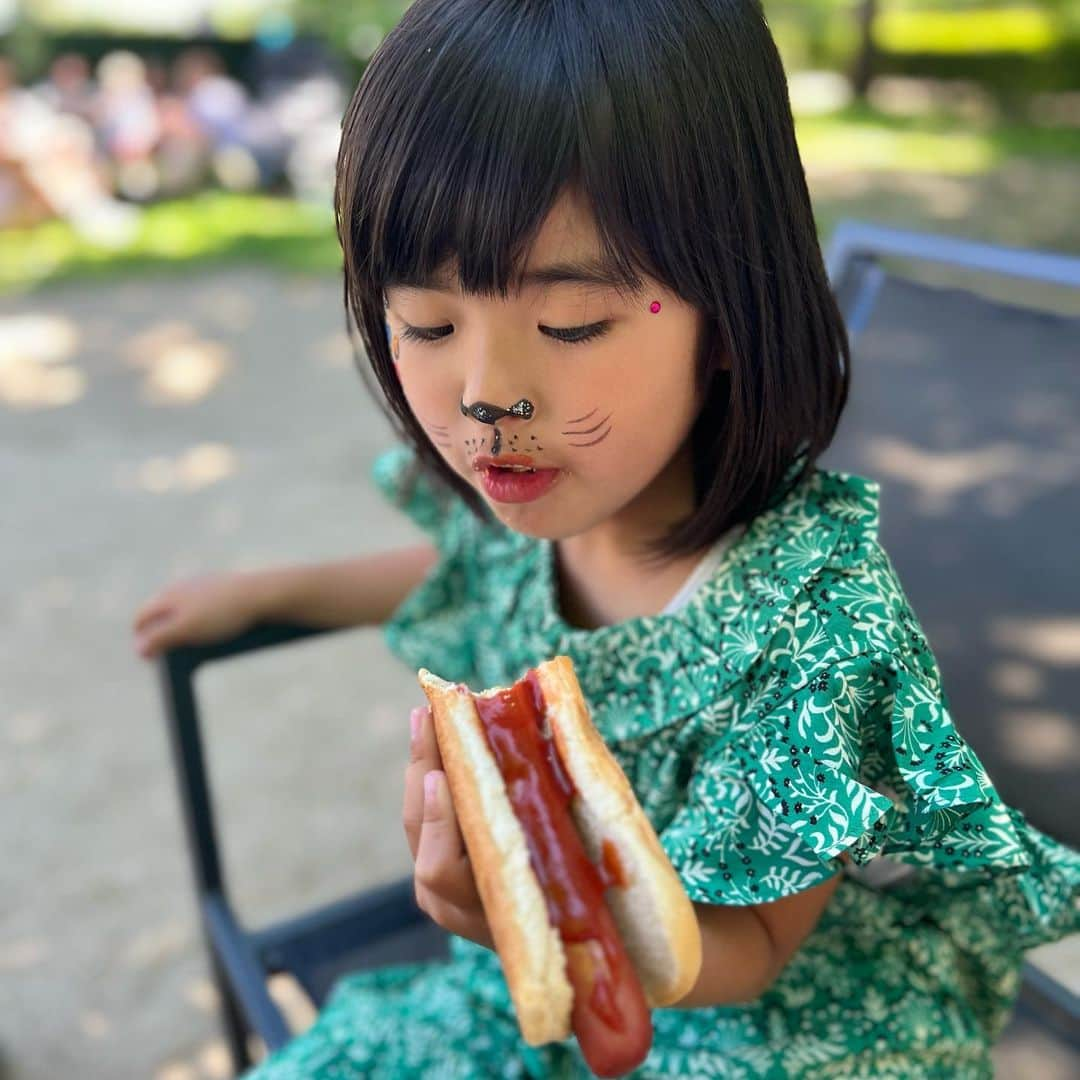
(587,271)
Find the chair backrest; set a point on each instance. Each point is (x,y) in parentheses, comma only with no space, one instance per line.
(965,405)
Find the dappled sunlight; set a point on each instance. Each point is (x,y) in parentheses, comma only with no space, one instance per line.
(949,197)
(210,1062)
(94,1024)
(202,995)
(24,954)
(814,93)
(303,291)
(905,95)
(1004,476)
(1018,681)
(152,947)
(1012,29)
(27,728)
(1054,642)
(333,351)
(294,1003)
(1040,739)
(229,307)
(939,476)
(180,366)
(35,372)
(197,467)
(826,145)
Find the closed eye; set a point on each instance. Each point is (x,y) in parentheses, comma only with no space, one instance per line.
(571,335)
(575,334)
(425,333)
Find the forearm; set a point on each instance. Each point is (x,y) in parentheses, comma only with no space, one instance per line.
(738,957)
(361,591)
(744,949)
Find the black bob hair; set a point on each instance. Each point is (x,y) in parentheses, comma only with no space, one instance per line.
(671,118)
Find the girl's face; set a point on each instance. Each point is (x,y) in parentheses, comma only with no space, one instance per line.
(610,382)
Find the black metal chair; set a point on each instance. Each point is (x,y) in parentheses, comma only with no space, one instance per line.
(384,925)
(368,929)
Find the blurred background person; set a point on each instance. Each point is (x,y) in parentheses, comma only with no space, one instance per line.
(128,123)
(49,168)
(247,144)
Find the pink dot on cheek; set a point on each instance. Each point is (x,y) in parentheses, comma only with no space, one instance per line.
(654,307)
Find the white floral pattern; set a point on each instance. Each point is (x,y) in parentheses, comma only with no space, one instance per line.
(791,712)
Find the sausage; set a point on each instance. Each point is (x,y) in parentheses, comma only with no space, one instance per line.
(610,1019)
(610,1015)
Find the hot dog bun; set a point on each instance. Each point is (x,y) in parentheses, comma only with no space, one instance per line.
(654,916)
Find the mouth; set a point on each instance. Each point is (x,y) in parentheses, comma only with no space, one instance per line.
(514,478)
(518,463)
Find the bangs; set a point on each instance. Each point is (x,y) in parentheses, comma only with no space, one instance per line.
(461,138)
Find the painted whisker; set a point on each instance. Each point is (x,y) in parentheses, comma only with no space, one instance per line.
(581,418)
(594,441)
(589,431)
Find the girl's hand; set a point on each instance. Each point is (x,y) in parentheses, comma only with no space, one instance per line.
(197,611)
(445,887)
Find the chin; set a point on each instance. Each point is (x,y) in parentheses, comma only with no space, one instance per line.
(542,519)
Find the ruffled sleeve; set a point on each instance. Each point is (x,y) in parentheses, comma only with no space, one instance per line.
(863,759)
(432,626)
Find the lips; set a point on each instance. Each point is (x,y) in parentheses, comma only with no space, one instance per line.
(507,462)
(513,478)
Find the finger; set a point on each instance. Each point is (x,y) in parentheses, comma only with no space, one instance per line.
(420,762)
(156,636)
(467,923)
(150,611)
(423,746)
(442,865)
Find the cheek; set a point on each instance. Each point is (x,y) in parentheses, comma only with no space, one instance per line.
(653,405)
(429,393)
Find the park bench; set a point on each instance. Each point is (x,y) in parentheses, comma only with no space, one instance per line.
(927,353)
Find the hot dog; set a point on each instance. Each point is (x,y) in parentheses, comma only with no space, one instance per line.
(587,914)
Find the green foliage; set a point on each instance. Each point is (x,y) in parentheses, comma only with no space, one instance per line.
(213,227)
(1018,29)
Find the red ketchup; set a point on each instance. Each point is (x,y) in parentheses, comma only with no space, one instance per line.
(610,1016)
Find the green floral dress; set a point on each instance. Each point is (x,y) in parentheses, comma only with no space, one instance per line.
(790,712)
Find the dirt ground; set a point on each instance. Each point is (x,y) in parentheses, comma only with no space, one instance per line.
(167,428)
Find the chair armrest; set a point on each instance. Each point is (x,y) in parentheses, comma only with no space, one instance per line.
(176,670)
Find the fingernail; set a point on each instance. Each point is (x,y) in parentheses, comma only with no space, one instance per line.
(431,786)
(414,720)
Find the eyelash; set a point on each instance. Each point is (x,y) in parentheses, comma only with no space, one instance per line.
(583,333)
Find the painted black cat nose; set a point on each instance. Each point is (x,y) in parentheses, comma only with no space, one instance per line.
(486,413)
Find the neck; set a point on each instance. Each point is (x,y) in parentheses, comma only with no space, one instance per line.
(606,574)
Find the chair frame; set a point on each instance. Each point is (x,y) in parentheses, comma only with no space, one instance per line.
(241,960)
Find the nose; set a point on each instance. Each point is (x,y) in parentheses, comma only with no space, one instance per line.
(495,391)
(486,413)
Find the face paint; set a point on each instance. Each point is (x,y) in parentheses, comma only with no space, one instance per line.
(489,414)
(486,413)
(604,426)
(622,488)
(440,435)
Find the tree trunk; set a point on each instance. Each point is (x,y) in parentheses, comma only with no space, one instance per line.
(863,70)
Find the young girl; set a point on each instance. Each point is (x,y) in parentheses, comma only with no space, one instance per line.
(580,252)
